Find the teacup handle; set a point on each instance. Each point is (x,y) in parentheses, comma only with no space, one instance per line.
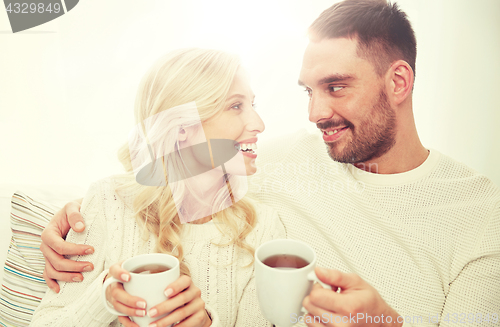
(108,282)
(312,276)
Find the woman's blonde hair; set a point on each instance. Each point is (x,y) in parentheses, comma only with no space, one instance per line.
(183,76)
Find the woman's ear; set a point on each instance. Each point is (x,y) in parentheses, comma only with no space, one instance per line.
(401,81)
(191,135)
(182,134)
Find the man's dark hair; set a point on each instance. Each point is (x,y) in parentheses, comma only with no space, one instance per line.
(382,30)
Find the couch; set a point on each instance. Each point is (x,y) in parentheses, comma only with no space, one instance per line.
(24,212)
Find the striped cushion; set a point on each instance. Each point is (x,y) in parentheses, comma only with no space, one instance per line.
(23,285)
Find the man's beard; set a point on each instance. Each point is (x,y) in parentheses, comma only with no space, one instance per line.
(371,139)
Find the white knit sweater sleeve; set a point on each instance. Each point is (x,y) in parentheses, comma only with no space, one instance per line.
(79,303)
(270,227)
(214,317)
(474,296)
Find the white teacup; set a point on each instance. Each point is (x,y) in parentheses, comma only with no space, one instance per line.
(148,286)
(280,291)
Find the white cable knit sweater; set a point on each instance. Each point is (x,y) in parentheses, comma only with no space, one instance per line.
(428,240)
(227,287)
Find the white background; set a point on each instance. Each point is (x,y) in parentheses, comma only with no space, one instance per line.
(67,87)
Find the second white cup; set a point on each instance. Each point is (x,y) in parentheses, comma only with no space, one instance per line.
(281,290)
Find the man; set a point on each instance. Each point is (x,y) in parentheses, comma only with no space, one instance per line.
(407,234)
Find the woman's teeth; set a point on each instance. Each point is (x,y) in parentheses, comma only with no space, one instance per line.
(248,147)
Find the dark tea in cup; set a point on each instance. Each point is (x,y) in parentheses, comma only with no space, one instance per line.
(285,261)
(150,269)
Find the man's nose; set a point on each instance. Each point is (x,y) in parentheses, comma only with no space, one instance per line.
(319,109)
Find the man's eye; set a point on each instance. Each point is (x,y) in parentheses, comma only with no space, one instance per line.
(254,105)
(309,92)
(336,88)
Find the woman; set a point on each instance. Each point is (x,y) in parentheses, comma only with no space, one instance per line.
(124,218)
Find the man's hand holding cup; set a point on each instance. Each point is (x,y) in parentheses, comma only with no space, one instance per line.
(357,299)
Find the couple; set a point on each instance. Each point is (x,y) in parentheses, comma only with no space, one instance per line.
(188,96)
(408,234)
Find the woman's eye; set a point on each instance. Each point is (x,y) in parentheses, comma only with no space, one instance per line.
(236,106)
(309,92)
(254,105)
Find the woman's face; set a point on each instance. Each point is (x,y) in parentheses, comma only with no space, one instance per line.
(238,121)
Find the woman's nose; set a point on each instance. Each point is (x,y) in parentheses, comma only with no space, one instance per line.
(255,123)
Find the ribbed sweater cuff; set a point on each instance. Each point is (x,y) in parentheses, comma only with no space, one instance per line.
(214,316)
(94,309)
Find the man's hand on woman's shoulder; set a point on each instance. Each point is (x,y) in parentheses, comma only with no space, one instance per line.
(54,247)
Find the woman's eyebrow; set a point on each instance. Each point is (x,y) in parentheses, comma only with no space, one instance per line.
(239,96)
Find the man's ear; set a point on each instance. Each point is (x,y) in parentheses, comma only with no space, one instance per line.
(400,78)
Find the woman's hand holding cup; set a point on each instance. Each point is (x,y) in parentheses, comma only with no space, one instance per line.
(184,304)
(120,299)
(147,290)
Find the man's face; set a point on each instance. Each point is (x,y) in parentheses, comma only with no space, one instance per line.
(347,101)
